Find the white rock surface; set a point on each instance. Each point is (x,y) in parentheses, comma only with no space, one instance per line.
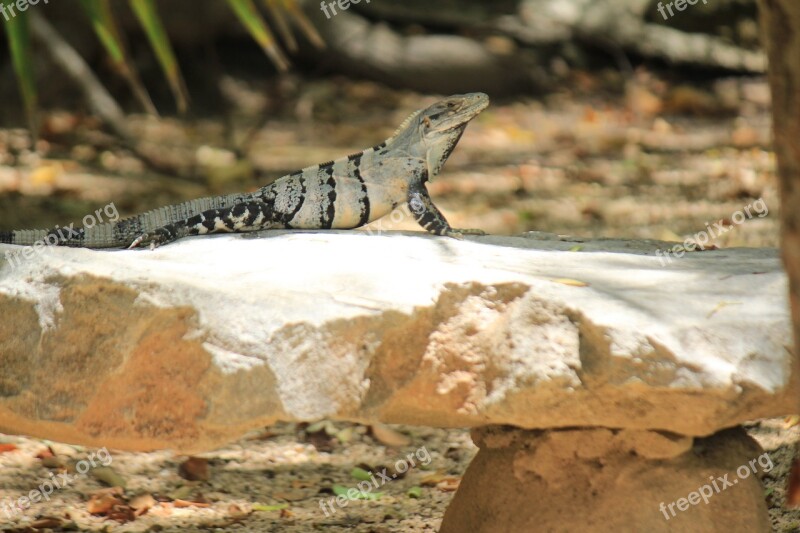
(193,343)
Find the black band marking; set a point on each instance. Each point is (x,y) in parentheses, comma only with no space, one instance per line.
(326,216)
(286,218)
(364,200)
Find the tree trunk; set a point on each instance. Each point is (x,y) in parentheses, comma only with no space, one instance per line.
(780,25)
(780,21)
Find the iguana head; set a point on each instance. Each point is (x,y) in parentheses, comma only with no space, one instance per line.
(432,133)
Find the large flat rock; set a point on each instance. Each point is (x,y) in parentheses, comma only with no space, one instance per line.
(196,342)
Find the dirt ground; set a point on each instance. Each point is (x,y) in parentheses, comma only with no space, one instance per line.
(644,157)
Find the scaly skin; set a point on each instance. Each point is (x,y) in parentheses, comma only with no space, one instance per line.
(341,194)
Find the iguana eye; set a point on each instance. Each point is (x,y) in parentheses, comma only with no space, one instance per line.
(427,122)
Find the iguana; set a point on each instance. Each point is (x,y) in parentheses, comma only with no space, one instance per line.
(345,193)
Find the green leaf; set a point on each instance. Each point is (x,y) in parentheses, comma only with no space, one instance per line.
(99,12)
(414,492)
(108,475)
(19,40)
(340,490)
(147,14)
(360,474)
(102,19)
(276,507)
(249,16)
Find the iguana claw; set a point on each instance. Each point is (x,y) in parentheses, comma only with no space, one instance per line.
(153,240)
(459,233)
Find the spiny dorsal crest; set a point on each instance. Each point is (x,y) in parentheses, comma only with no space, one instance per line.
(404,125)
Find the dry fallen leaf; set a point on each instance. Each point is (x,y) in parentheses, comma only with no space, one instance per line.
(102,500)
(122,513)
(449,484)
(432,479)
(186,503)
(389,437)
(235,511)
(109,503)
(194,469)
(46,453)
(791,421)
(142,503)
(163,510)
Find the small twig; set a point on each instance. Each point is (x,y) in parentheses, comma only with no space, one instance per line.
(100,102)
(64,55)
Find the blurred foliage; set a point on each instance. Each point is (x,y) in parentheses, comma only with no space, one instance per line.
(104,25)
(101,17)
(147,14)
(19,39)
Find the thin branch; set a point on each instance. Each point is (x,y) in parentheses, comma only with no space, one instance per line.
(100,102)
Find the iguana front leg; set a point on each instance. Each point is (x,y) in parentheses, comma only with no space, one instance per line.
(429,217)
(251,216)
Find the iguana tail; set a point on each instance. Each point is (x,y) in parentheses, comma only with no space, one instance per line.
(121,233)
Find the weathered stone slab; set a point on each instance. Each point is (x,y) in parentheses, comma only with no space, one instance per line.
(196,342)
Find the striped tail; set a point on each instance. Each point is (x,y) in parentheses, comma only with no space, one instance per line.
(66,236)
(121,233)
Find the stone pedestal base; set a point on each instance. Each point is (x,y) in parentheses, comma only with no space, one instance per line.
(610,480)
